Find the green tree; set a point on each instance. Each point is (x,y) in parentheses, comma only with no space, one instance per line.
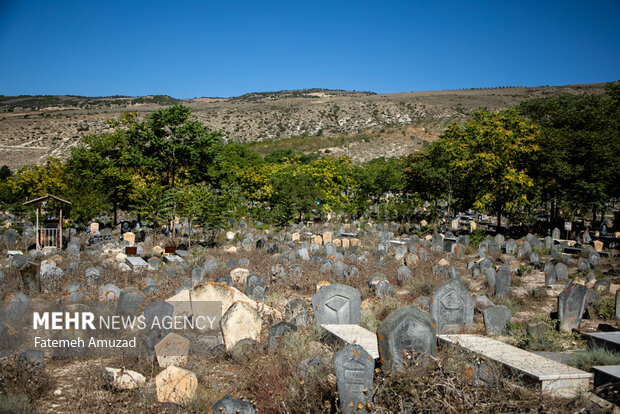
(492,153)
(579,158)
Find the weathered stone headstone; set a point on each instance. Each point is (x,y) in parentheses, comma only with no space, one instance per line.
(239,322)
(172,350)
(176,385)
(382,288)
(452,307)
(337,303)
(550,275)
(561,271)
(404,334)
(354,374)
(129,302)
(502,280)
(617,308)
(571,304)
(511,247)
(108,293)
(73,293)
(555,234)
(403,273)
(31,358)
(240,276)
(496,319)
(278,331)
(595,259)
(231,405)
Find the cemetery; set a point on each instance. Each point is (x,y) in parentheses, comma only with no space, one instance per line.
(444,319)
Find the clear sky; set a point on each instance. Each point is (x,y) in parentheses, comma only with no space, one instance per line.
(191,49)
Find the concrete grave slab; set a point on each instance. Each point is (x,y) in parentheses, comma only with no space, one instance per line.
(554,378)
(355,334)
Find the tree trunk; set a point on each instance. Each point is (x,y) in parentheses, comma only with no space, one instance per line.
(499,216)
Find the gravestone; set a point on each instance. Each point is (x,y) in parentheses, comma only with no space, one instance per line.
(354,374)
(534,259)
(108,293)
(617,308)
(231,405)
(403,335)
(337,303)
(197,275)
(176,385)
(511,247)
(73,293)
(496,319)
(403,273)
(452,307)
(571,304)
(129,302)
(382,288)
(561,271)
(14,305)
(239,322)
(595,259)
(550,275)
(555,234)
(278,331)
(172,350)
(29,271)
(502,280)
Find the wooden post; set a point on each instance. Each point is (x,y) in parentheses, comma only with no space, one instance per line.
(60,229)
(37,229)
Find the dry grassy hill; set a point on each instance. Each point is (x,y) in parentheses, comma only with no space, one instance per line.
(361,124)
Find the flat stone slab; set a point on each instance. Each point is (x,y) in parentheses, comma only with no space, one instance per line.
(172,258)
(607,340)
(136,263)
(397,242)
(555,378)
(184,253)
(355,334)
(11,253)
(608,374)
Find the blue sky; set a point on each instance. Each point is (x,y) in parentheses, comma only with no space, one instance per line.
(191,49)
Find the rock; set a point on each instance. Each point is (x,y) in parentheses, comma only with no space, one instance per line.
(176,385)
(73,293)
(123,379)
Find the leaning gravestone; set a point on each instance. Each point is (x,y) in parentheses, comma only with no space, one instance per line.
(452,307)
(491,277)
(502,280)
(571,304)
(406,331)
(496,319)
(337,304)
(354,373)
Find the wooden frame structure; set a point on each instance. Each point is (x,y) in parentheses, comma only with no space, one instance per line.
(48,237)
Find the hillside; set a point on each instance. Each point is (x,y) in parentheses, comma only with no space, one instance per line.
(363,125)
